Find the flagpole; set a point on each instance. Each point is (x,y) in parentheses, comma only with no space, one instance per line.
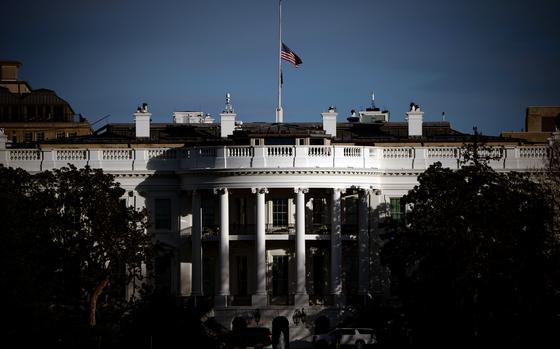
(279,111)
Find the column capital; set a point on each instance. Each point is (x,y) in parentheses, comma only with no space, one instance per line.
(369,190)
(259,190)
(366,190)
(303,190)
(220,191)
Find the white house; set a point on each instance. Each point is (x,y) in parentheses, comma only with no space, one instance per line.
(277,217)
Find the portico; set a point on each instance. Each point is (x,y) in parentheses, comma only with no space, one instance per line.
(280,223)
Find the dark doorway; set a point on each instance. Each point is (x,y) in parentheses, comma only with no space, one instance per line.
(280,279)
(318,274)
(241,262)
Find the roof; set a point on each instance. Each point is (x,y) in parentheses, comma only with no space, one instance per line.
(263,130)
(396,131)
(124,133)
(8,62)
(209,134)
(38,97)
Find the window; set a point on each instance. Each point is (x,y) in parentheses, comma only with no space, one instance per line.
(397,209)
(59,134)
(242,211)
(163,214)
(28,137)
(40,136)
(319,205)
(208,209)
(280,212)
(350,210)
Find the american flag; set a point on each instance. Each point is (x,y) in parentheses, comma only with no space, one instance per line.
(289,56)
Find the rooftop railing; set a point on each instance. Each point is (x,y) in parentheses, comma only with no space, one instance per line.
(268,157)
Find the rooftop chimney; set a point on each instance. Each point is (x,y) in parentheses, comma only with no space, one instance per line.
(227,119)
(9,70)
(329,121)
(142,121)
(414,118)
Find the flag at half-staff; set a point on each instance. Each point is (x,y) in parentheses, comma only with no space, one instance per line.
(290,56)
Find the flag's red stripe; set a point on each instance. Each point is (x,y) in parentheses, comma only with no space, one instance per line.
(289,57)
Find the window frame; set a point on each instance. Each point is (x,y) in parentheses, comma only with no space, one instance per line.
(280,218)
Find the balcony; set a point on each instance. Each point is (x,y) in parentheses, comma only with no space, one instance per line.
(280,229)
(266,157)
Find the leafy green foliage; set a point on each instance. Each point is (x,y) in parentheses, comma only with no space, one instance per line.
(476,260)
(69,246)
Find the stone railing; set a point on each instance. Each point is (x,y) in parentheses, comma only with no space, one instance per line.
(24,155)
(274,157)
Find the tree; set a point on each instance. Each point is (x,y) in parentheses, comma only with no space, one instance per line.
(26,273)
(103,242)
(475,261)
(74,240)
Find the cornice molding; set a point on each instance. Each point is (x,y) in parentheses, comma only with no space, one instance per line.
(269,172)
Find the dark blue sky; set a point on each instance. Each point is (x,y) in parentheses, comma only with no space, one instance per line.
(482,62)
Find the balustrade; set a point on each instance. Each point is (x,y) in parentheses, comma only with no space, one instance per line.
(352,151)
(240,151)
(117,154)
(162,154)
(272,157)
(319,151)
(533,152)
(397,153)
(207,152)
(280,151)
(443,152)
(71,155)
(25,155)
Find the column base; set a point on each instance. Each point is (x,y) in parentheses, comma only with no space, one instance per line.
(259,300)
(221,301)
(301,300)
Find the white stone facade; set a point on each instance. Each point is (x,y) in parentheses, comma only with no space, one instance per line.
(277,228)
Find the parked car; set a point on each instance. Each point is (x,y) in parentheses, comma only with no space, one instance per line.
(357,337)
(255,337)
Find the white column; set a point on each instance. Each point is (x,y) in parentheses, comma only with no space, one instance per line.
(259,298)
(363,242)
(301,297)
(336,244)
(196,234)
(223,287)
